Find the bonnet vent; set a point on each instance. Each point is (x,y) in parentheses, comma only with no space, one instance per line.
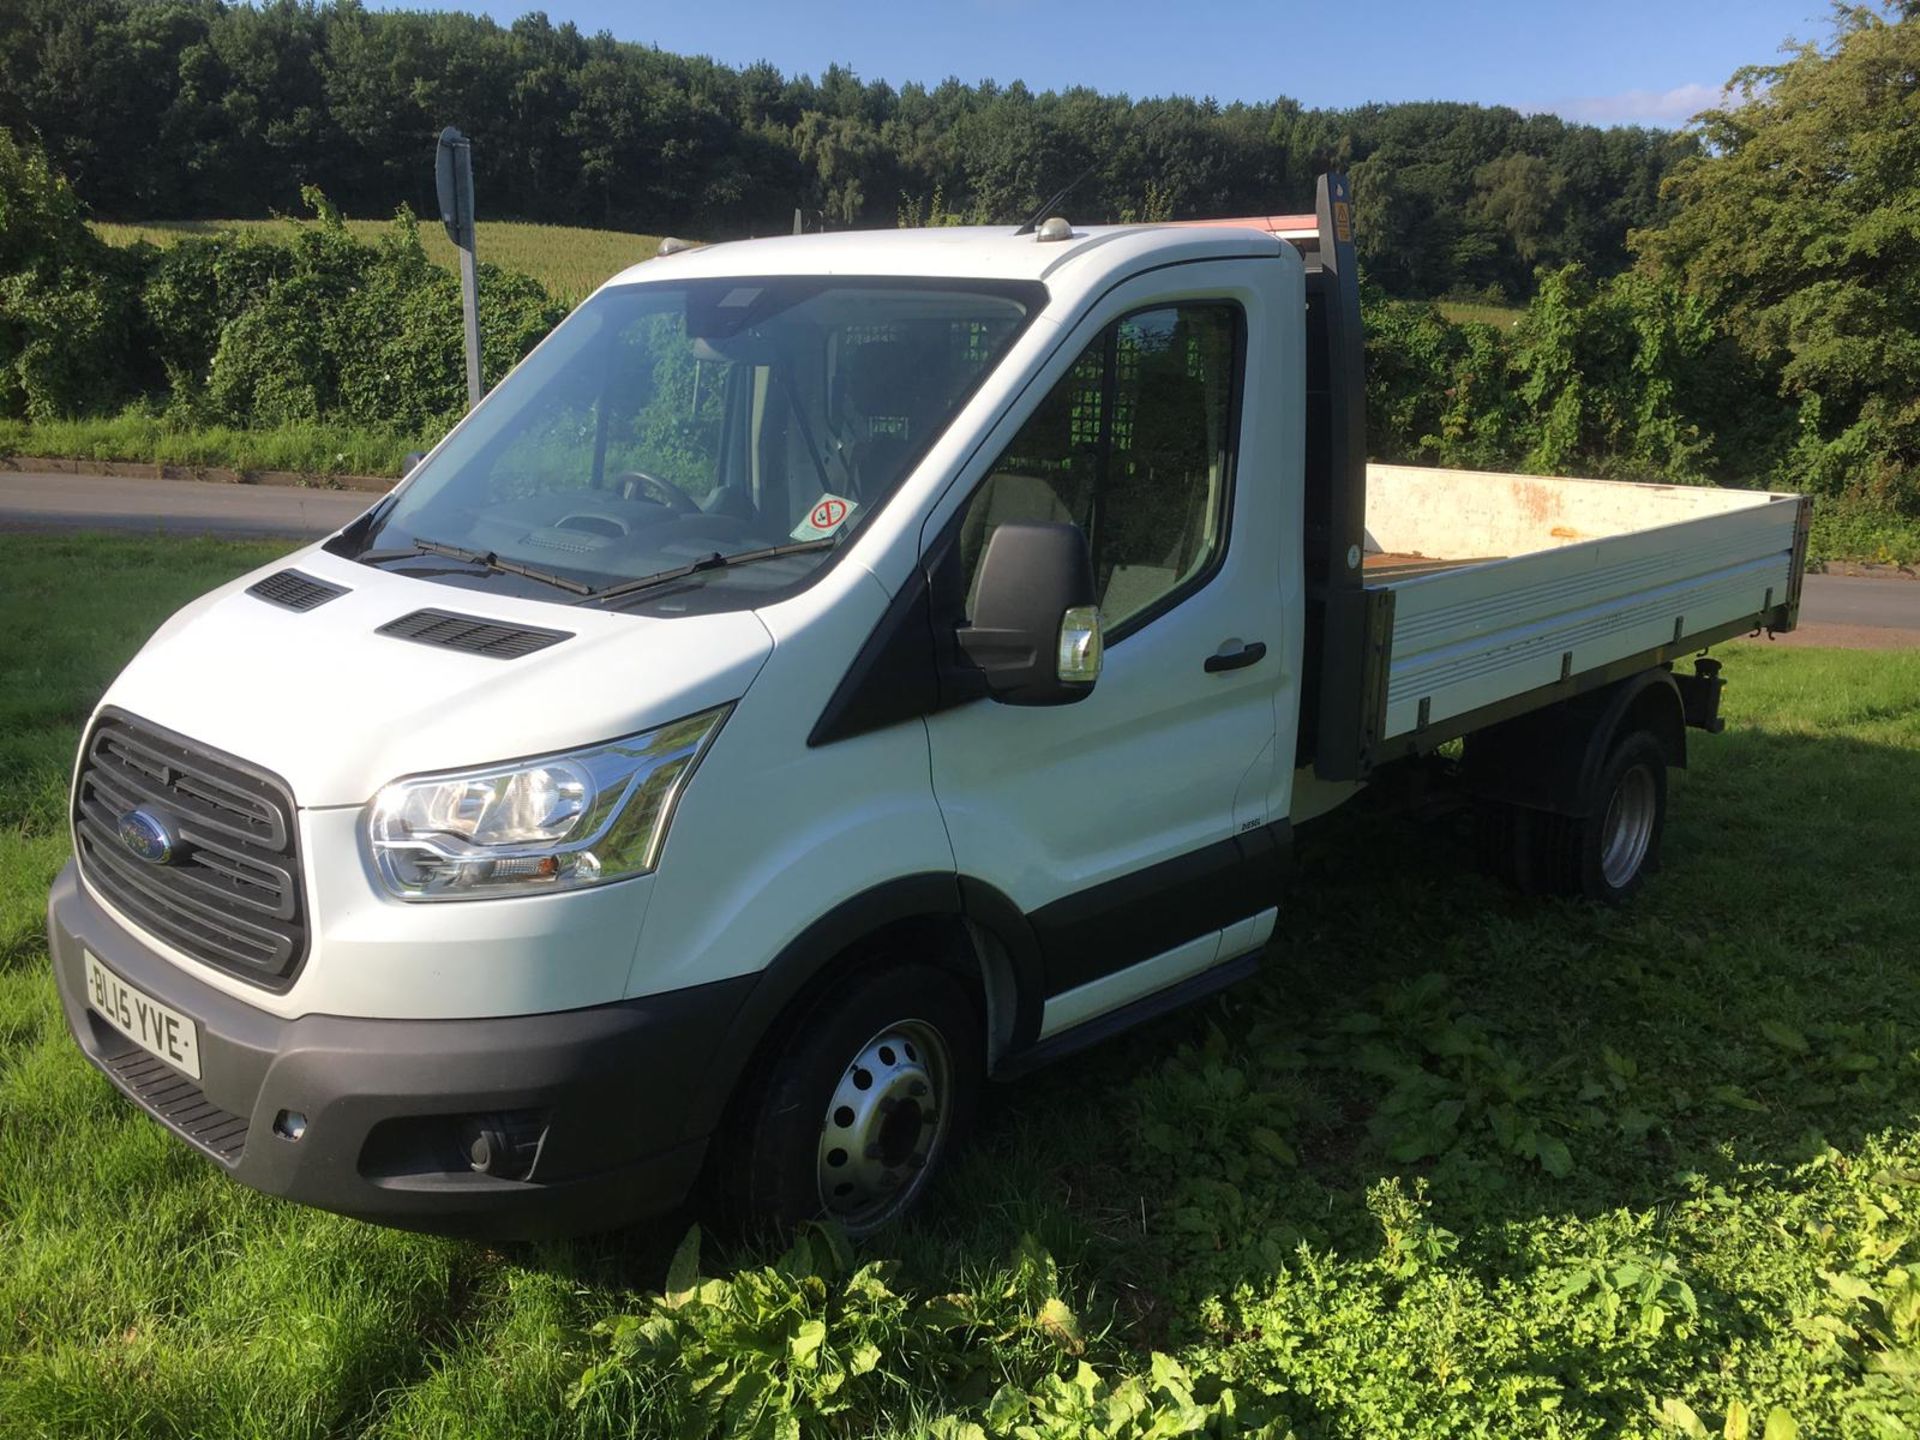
(472,634)
(295,590)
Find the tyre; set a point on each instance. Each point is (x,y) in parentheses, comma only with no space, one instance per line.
(856,1104)
(1606,854)
(1500,834)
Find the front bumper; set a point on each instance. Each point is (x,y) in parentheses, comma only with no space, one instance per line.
(606,1088)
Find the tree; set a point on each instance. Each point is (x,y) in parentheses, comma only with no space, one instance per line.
(1800,226)
(1518,194)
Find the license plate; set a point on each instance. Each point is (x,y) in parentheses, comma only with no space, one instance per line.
(163,1033)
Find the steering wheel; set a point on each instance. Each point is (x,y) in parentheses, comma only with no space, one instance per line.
(660,492)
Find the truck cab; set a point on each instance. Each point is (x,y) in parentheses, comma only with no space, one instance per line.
(828,673)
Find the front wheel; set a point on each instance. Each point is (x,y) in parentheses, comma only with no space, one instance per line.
(857,1105)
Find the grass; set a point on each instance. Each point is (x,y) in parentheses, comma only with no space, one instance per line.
(138,435)
(571,261)
(1455,1163)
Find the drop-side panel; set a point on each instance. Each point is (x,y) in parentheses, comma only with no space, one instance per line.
(1469,638)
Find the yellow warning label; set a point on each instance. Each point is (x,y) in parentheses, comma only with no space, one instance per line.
(1342,222)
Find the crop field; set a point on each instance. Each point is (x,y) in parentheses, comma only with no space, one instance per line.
(569,260)
(1463,312)
(1455,1163)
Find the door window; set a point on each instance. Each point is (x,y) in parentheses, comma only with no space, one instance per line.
(1135,446)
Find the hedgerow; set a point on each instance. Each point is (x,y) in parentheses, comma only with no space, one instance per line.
(237,330)
(69,302)
(1624,379)
(330,328)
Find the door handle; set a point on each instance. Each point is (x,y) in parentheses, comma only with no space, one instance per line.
(1249,654)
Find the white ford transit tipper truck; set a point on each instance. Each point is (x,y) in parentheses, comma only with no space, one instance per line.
(829,672)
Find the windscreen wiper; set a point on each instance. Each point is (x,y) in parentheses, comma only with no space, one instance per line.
(479,557)
(715,561)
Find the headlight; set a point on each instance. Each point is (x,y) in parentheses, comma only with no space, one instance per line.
(556,822)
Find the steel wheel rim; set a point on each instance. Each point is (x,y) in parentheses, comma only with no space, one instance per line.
(1628,831)
(879,1139)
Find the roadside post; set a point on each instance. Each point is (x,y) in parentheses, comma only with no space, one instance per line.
(453,175)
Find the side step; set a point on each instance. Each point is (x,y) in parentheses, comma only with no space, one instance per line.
(1114,1022)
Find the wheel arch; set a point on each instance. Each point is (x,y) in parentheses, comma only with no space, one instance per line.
(1549,759)
(961,923)
(1656,706)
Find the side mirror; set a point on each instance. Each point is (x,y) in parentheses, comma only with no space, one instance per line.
(1035,634)
(409,460)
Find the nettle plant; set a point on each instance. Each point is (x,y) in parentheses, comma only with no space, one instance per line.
(816,1344)
(1450,1080)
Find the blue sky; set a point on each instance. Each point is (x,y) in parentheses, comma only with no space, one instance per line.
(1638,61)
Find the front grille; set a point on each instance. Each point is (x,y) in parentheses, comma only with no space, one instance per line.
(492,638)
(231,896)
(178,1102)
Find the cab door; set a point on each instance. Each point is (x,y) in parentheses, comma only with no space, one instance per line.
(1135,828)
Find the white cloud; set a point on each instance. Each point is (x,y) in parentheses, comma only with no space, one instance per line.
(1639,107)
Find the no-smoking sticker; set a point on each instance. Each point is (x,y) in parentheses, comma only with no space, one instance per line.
(829,513)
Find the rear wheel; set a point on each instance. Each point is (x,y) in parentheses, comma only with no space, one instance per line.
(857,1104)
(1630,825)
(1606,854)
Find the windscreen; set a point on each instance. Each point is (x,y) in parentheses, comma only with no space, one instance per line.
(668,428)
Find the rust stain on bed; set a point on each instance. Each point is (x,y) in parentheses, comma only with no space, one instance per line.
(1535,501)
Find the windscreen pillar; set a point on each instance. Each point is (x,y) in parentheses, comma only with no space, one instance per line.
(1336,532)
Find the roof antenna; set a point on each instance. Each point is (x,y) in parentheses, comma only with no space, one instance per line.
(1046,206)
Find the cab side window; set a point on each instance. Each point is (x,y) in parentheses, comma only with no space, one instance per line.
(1135,446)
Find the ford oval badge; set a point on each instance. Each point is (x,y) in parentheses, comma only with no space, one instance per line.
(148,837)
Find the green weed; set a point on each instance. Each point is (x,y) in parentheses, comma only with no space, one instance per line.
(1850,528)
(816,1344)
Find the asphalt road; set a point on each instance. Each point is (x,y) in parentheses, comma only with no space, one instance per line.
(184,507)
(1835,610)
(1858,613)
(1872,603)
